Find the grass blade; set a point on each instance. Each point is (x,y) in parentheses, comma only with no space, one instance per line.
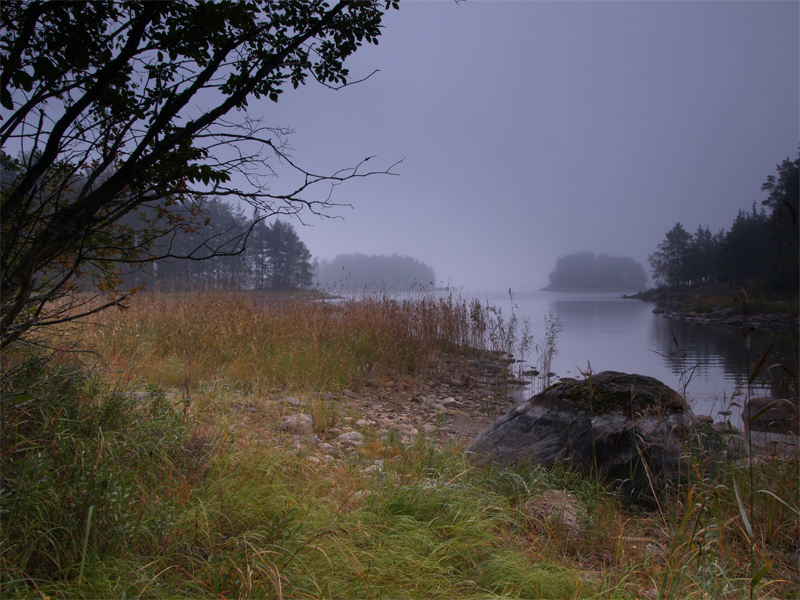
(85,542)
(742,510)
(759,575)
(794,510)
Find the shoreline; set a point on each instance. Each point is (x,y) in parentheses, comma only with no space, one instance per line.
(676,309)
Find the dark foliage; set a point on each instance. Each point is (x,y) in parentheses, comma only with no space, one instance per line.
(759,251)
(115,106)
(219,256)
(585,271)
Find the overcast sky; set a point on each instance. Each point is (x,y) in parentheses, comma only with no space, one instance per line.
(532,130)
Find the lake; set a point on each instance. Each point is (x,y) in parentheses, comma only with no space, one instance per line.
(707,362)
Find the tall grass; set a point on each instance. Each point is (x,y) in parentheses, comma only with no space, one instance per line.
(256,344)
(198,493)
(85,471)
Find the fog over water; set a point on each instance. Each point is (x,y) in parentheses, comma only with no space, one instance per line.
(532,130)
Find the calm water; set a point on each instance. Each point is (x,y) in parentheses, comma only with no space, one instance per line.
(612,333)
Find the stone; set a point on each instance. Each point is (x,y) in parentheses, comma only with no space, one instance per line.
(772,415)
(299,423)
(629,429)
(559,508)
(350,436)
(327,449)
(451,403)
(291,401)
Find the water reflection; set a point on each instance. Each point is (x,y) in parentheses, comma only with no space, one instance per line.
(708,362)
(709,349)
(591,316)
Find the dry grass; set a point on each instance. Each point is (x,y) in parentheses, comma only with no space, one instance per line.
(257,344)
(225,503)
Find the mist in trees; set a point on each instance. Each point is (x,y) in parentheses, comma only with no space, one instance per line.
(224,249)
(759,251)
(115,106)
(356,271)
(584,271)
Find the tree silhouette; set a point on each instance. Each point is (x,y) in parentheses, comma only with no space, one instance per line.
(116,108)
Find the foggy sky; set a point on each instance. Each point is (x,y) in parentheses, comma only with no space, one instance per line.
(532,130)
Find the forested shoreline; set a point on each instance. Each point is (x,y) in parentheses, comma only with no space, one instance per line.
(223,249)
(759,252)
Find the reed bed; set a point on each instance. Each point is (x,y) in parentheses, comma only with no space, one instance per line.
(256,343)
(164,473)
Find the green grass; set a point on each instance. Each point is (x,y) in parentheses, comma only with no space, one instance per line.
(198,493)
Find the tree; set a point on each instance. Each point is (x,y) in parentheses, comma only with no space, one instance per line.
(783,203)
(214,253)
(760,250)
(585,271)
(669,263)
(358,270)
(115,108)
(744,250)
(281,258)
(701,258)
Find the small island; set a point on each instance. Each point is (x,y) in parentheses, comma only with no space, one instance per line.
(585,272)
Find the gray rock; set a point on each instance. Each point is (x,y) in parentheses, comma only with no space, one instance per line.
(300,423)
(350,436)
(628,429)
(556,507)
(327,449)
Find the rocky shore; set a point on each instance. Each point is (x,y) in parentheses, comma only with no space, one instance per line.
(671,308)
(726,317)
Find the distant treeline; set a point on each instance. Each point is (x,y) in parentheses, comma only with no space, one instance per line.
(584,271)
(219,247)
(356,271)
(759,252)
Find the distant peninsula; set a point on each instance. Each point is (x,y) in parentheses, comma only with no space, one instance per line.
(587,272)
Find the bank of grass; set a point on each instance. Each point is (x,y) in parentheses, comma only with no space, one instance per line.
(198,493)
(257,343)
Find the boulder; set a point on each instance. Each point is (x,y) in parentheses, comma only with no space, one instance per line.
(772,415)
(628,429)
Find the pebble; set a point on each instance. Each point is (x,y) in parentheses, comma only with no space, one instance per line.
(326,448)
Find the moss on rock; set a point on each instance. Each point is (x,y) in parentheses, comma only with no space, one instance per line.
(612,392)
